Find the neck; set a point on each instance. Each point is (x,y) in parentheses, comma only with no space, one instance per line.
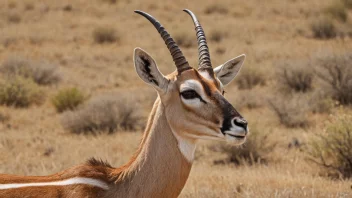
(162,163)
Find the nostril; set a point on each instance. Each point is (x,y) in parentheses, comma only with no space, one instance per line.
(241,122)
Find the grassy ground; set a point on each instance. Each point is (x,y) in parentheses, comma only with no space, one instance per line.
(33,142)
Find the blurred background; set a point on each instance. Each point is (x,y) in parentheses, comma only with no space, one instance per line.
(68,89)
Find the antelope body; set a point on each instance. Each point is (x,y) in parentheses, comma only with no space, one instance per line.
(190,106)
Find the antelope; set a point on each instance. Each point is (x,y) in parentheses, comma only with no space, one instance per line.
(190,106)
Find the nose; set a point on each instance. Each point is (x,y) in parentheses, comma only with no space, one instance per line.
(241,122)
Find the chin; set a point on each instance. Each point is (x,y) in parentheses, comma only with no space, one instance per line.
(234,140)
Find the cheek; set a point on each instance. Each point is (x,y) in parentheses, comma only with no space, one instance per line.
(192,104)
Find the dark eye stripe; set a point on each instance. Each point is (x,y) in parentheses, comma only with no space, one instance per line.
(191,94)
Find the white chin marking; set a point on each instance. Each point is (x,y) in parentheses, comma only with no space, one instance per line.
(234,140)
(187,147)
(71,181)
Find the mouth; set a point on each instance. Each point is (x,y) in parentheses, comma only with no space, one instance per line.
(236,136)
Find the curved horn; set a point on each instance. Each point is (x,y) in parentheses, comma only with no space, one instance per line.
(203,50)
(176,53)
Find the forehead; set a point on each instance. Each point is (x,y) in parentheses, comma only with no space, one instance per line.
(192,76)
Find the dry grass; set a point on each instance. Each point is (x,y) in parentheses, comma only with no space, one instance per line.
(337,10)
(265,31)
(335,71)
(20,92)
(333,149)
(68,99)
(216,8)
(296,76)
(184,39)
(14,18)
(105,35)
(292,110)
(323,28)
(250,77)
(42,73)
(105,113)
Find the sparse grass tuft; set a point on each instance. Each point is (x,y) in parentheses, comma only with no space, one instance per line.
(20,92)
(254,151)
(296,76)
(250,77)
(184,39)
(335,71)
(4,117)
(216,8)
(332,149)
(217,35)
(14,18)
(42,73)
(68,99)
(347,3)
(337,10)
(105,35)
(292,111)
(105,113)
(323,28)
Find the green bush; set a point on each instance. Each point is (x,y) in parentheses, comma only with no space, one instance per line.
(68,99)
(332,149)
(20,92)
(105,113)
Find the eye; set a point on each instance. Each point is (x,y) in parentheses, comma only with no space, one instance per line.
(189,94)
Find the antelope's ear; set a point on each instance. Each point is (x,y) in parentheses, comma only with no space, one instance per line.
(148,71)
(228,71)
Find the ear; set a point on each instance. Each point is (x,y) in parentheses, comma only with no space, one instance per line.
(228,71)
(148,71)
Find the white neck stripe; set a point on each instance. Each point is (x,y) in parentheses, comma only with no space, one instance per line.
(71,181)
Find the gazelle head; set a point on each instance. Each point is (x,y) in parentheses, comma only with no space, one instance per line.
(193,98)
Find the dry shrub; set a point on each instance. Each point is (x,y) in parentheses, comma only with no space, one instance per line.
(247,99)
(68,99)
(296,76)
(320,102)
(184,39)
(332,149)
(104,113)
(104,35)
(217,35)
(347,3)
(323,28)
(254,151)
(337,10)
(14,18)
(216,8)
(250,77)
(335,71)
(4,117)
(292,110)
(20,92)
(42,73)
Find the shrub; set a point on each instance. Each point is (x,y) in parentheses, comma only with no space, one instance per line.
(292,110)
(183,39)
(217,36)
(109,112)
(321,103)
(332,149)
(41,73)
(254,151)
(68,99)
(335,71)
(20,92)
(250,77)
(4,117)
(338,11)
(323,28)
(347,3)
(247,99)
(14,18)
(296,76)
(104,35)
(216,8)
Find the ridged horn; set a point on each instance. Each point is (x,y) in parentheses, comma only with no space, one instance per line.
(176,53)
(203,50)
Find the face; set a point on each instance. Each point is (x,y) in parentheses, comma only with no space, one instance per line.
(194,102)
(198,109)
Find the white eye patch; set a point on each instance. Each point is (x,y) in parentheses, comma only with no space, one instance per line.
(197,87)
